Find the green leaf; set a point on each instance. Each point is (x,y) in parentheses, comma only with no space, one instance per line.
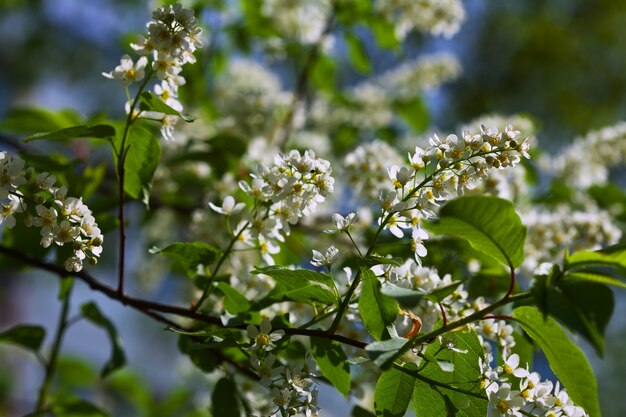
(224,399)
(584,307)
(565,358)
(414,112)
(281,274)
(142,159)
(96,131)
(594,276)
(373,260)
(92,313)
(332,362)
(406,297)
(377,309)
(190,254)
(152,102)
(393,393)
(357,53)
(359,411)
(465,376)
(234,301)
(384,32)
(75,407)
(611,257)
(381,351)
(203,359)
(489,224)
(27,336)
(428,401)
(324,73)
(33,119)
(311,293)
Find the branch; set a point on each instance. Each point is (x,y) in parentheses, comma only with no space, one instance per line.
(152,309)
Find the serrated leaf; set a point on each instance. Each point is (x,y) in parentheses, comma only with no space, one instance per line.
(234,301)
(489,224)
(295,275)
(377,309)
(27,336)
(152,102)
(566,359)
(357,53)
(224,399)
(393,393)
(82,131)
(311,293)
(92,313)
(333,363)
(465,375)
(190,254)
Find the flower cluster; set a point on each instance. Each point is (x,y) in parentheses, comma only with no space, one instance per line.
(62,219)
(551,231)
(588,160)
(424,73)
(300,21)
(173,36)
(457,165)
(292,390)
(365,168)
(534,396)
(252,98)
(435,17)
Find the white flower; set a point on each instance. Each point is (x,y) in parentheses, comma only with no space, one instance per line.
(265,370)
(325,260)
(263,337)
(506,402)
(128,72)
(511,367)
(342,224)
(15,205)
(228,206)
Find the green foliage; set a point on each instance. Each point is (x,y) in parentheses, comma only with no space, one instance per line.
(190,254)
(357,53)
(295,285)
(465,376)
(393,393)
(332,362)
(489,224)
(151,102)
(92,313)
(96,131)
(566,359)
(224,399)
(27,336)
(34,119)
(75,407)
(142,154)
(378,310)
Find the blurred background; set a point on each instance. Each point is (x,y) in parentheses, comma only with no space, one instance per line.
(562,63)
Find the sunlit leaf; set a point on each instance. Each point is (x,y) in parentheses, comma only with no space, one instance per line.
(377,309)
(489,224)
(332,362)
(568,362)
(393,393)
